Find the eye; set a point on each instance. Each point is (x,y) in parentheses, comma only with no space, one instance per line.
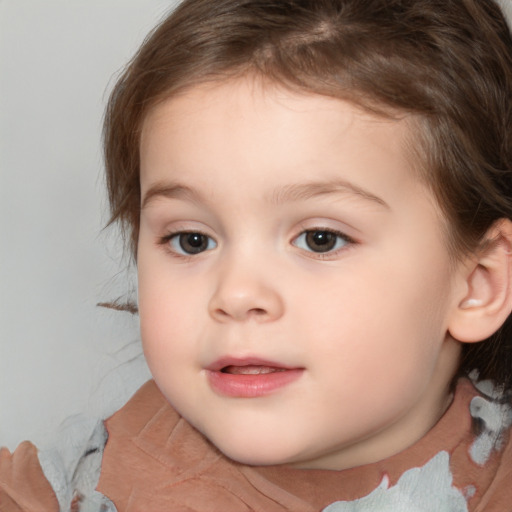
(190,243)
(321,240)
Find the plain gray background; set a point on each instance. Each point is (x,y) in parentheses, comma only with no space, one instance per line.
(59,353)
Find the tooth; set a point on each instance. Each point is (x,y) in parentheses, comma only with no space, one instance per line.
(251,370)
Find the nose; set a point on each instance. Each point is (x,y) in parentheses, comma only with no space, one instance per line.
(242,295)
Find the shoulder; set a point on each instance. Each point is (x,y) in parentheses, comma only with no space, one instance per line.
(72,464)
(62,476)
(492,415)
(499,494)
(481,460)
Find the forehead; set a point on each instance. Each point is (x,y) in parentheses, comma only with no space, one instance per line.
(244,119)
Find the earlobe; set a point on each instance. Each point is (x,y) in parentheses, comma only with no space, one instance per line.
(488,288)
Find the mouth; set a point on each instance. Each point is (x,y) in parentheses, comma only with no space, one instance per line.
(251,369)
(247,365)
(250,377)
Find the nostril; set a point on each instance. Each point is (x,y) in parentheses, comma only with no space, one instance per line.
(261,305)
(258,311)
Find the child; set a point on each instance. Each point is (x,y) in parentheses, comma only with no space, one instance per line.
(318,197)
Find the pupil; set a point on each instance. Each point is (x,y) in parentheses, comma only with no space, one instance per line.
(321,241)
(195,239)
(193,242)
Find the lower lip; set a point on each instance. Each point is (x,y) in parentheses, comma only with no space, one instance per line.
(251,386)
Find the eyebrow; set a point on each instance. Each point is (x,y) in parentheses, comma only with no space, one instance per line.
(302,191)
(168,191)
(289,193)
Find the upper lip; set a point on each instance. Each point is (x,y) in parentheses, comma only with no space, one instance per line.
(226,361)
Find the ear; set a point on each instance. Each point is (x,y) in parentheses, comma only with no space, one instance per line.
(486,301)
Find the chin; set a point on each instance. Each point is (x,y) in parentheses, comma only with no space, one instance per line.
(251,459)
(252,454)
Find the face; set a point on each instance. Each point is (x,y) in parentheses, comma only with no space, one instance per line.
(295,289)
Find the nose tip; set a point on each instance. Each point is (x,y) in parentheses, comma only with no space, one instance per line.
(245,301)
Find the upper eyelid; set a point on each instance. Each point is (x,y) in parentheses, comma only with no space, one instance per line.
(169,232)
(175,232)
(340,232)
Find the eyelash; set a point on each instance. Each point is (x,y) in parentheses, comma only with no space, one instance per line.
(329,253)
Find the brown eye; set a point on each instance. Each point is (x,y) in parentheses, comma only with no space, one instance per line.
(321,240)
(191,243)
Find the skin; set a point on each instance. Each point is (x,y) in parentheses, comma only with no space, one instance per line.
(254,168)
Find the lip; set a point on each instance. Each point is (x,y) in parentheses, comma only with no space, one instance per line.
(238,385)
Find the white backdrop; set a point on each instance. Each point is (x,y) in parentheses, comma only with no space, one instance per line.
(59,353)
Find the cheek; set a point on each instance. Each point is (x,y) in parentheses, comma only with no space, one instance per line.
(162,312)
(378,318)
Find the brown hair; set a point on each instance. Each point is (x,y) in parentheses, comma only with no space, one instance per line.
(446,62)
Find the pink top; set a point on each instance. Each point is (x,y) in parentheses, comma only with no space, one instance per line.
(155,461)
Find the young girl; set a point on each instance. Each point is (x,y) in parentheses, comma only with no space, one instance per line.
(318,195)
